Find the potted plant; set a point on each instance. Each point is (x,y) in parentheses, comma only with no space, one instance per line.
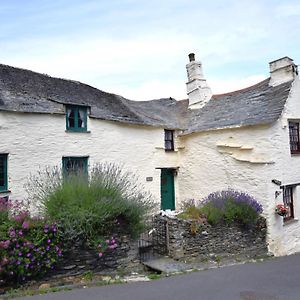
(281,210)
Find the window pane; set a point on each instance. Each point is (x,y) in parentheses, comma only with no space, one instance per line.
(71,118)
(294,136)
(81,118)
(169,145)
(2,171)
(288,202)
(75,165)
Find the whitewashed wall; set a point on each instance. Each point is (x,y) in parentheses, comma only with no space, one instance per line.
(285,237)
(39,140)
(247,159)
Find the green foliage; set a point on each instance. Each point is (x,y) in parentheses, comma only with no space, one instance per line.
(229,207)
(109,201)
(28,246)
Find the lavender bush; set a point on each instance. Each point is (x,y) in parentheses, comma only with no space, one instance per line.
(231,206)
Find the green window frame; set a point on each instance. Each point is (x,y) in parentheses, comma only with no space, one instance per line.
(76,118)
(74,165)
(3,172)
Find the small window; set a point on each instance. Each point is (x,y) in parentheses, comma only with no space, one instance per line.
(76,118)
(75,165)
(3,172)
(294,137)
(288,202)
(169,140)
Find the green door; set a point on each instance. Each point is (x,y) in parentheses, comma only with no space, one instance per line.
(167,189)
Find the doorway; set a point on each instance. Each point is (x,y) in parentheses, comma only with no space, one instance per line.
(167,189)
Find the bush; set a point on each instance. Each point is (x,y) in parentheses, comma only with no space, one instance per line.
(109,201)
(231,206)
(28,246)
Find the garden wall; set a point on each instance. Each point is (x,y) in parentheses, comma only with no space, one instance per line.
(78,259)
(219,240)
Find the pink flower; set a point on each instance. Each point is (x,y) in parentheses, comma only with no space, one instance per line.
(107,241)
(100,254)
(25,225)
(4,244)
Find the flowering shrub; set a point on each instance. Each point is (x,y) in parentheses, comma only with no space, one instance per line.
(28,246)
(231,206)
(106,245)
(281,210)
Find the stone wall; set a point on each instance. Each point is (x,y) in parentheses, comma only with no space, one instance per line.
(78,259)
(219,240)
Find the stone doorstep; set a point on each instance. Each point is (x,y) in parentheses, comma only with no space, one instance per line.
(167,265)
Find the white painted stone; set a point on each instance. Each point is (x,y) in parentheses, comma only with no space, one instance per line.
(40,140)
(282,70)
(198,91)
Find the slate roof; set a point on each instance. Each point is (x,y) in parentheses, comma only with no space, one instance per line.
(258,104)
(26,91)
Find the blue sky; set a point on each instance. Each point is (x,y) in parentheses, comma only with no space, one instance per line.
(139,49)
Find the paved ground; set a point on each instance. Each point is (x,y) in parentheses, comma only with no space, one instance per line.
(275,279)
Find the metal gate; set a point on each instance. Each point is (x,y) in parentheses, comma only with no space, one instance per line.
(154,242)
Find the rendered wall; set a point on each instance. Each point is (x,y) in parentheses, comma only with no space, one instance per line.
(242,159)
(39,140)
(285,236)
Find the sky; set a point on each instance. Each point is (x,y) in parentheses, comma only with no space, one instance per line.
(139,49)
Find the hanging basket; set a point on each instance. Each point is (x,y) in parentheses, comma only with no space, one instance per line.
(281,210)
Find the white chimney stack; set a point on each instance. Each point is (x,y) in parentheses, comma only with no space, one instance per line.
(197,89)
(282,70)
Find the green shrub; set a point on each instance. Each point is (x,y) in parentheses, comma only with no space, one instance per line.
(231,206)
(109,201)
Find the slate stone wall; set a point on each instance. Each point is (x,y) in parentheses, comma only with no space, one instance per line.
(220,240)
(78,259)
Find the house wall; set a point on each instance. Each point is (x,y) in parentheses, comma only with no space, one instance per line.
(34,141)
(285,236)
(243,159)
(248,159)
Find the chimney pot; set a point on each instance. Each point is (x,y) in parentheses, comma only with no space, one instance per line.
(192,57)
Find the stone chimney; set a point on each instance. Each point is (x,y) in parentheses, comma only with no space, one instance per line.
(197,89)
(282,70)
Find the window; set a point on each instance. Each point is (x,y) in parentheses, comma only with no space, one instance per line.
(169,140)
(76,118)
(3,172)
(288,202)
(75,165)
(294,137)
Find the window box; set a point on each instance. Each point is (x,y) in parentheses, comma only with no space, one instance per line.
(76,118)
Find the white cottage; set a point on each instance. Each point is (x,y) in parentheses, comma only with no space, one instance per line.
(246,140)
